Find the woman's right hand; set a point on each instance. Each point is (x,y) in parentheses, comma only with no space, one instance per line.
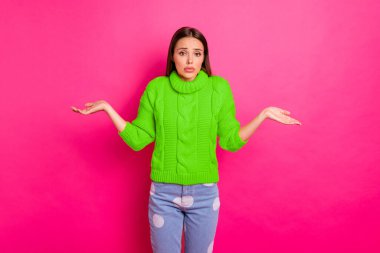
(92,107)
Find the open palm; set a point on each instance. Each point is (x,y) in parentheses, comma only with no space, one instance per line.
(91,107)
(280,115)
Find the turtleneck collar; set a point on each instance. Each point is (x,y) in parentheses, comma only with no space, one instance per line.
(182,86)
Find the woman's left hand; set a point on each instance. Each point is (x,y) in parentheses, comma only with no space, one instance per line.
(280,115)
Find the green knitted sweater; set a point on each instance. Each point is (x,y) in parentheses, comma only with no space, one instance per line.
(184,119)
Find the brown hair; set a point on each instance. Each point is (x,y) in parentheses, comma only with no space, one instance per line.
(187,32)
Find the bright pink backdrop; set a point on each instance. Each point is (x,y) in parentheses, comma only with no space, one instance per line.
(68,183)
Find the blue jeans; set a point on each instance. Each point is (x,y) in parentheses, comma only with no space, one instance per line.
(193,209)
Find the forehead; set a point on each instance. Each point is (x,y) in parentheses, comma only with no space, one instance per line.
(189,42)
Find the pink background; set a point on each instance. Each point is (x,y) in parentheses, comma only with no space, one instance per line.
(68,183)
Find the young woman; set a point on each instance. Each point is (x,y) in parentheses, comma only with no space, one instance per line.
(184,112)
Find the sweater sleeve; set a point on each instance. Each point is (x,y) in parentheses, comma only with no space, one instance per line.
(228,125)
(141,131)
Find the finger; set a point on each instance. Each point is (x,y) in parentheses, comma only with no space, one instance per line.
(89,104)
(89,110)
(286,112)
(74,109)
(294,121)
(82,111)
(287,120)
(281,118)
(79,110)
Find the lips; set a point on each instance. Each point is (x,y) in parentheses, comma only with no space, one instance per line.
(189,69)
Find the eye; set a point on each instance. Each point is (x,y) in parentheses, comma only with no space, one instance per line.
(198,54)
(182,53)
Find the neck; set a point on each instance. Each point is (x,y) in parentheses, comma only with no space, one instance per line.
(188,86)
(186,80)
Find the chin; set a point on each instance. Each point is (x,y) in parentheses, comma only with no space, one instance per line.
(189,75)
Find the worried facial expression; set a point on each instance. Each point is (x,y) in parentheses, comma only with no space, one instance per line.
(188,57)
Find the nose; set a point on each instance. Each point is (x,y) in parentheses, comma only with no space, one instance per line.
(189,59)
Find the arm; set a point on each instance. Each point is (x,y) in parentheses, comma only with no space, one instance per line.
(117,120)
(141,131)
(271,112)
(230,136)
(138,133)
(246,131)
(102,105)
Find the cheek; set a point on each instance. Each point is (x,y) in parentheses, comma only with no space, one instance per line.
(177,60)
(200,61)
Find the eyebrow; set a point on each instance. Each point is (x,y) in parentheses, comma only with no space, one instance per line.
(186,48)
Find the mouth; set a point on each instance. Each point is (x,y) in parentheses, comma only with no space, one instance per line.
(189,70)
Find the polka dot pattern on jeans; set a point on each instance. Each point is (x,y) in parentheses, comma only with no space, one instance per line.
(158,220)
(152,189)
(195,201)
(210,247)
(216,204)
(185,201)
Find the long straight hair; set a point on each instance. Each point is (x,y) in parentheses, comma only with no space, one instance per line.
(187,32)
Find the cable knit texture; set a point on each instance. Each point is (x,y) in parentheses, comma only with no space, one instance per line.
(184,118)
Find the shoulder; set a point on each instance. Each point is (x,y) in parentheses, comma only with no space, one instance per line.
(220,84)
(155,83)
(218,79)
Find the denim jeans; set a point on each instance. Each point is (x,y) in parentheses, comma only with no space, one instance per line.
(193,209)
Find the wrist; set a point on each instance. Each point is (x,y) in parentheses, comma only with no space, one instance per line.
(107,108)
(263,115)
